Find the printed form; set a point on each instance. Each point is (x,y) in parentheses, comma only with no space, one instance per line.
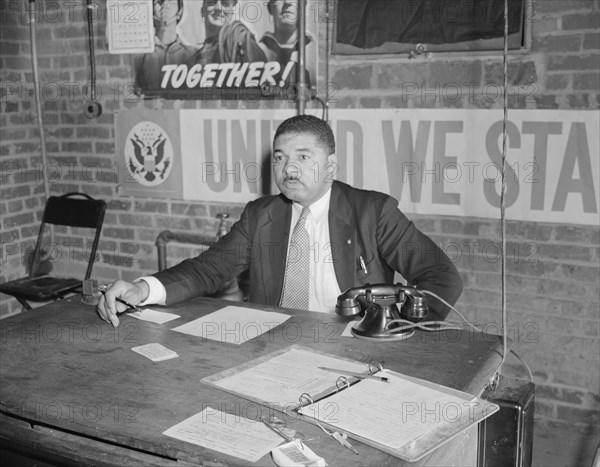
(390,414)
(282,379)
(226,433)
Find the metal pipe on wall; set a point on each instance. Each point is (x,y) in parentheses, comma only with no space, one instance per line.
(302,91)
(36,85)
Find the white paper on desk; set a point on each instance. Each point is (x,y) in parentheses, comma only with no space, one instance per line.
(226,433)
(233,324)
(159,317)
(391,414)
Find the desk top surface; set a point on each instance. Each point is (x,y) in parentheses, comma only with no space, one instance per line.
(63,367)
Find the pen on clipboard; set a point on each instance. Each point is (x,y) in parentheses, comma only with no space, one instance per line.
(363,266)
(383,379)
(276,430)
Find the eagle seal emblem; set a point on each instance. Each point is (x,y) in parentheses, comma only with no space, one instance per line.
(148,154)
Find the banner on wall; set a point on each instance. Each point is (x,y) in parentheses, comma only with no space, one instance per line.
(434,161)
(226,49)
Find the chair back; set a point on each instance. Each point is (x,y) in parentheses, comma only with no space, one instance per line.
(72,210)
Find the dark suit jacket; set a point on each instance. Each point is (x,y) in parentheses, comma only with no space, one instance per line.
(361,223)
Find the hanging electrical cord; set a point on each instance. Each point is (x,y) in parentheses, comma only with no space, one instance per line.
(503,190)
(451,325)
(92,109)
(38,97)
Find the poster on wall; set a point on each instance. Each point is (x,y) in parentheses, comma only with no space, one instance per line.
(215,49)
(150,153)
(433,161)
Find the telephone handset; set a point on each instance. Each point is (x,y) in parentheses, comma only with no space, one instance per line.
(379,302)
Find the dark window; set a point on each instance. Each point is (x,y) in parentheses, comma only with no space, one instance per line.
(398,26)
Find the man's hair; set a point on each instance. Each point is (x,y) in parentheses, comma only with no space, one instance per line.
(320,129)
(207,3)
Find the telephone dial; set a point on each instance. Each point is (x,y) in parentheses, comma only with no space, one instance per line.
(382,318)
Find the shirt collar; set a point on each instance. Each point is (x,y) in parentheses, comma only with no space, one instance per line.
(318,209)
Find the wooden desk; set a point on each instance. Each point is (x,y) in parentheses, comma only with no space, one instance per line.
(71,387)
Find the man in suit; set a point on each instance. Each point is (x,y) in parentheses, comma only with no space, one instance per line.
(355,237)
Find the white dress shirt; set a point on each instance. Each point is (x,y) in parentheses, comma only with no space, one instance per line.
(324,288)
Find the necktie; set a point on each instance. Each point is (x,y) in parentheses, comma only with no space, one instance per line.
(296,284)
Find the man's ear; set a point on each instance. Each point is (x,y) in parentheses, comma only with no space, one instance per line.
(332,165)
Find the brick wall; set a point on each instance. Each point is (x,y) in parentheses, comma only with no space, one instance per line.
(553,275)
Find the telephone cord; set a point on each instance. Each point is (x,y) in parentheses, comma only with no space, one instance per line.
(476,329)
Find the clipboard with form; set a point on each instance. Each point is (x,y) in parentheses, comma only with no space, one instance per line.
(403,416)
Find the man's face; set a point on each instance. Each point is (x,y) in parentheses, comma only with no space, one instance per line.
(285,13)
(302,169)
(220,13)
(166,13)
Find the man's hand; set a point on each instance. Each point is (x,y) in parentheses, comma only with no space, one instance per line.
(133,293)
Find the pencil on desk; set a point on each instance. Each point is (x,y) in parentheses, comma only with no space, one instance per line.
(357,375)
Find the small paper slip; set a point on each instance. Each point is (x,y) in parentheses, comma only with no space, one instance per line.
(296,454)
(233,324)
(159,317)
(226,433)
(155,352)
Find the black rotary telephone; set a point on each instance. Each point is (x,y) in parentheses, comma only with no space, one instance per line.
(380,305)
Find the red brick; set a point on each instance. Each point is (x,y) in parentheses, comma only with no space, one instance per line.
(577,415)
(151,206)
(574,62)
(78,147)
(556,43)
(172,223)
(19,63)
(135,220)
(15,205)
(18,220)
(9,236)
(15,192)
(582,21)
(591,41)
(93,132)
(557,81)
(586,81)
(558,6)
(519,73)
(10,48)
(192,210)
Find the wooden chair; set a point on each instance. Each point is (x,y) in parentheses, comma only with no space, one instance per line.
(73,210)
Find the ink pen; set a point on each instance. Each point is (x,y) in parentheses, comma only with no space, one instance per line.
(362,264)
(356,375)
(120,300)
